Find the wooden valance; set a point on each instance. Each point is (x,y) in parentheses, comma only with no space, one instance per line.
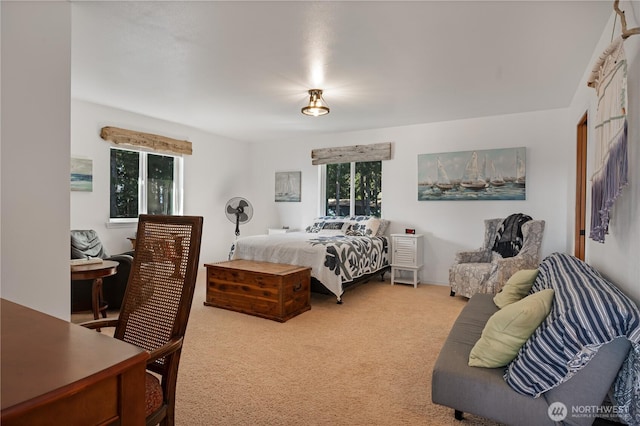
(145,140)
(348,154)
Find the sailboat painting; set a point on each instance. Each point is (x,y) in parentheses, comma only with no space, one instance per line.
(490,174)
(288,186)
(81,174)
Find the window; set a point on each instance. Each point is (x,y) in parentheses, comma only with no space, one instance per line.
(143,182)
(352,189)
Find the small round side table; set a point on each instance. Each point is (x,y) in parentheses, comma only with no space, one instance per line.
(95,272)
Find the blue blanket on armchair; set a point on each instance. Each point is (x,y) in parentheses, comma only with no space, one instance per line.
(588,312)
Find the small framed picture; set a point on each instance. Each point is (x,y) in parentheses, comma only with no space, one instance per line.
(81,174)
(288,186)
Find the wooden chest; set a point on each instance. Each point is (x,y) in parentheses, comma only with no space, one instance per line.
(269,290)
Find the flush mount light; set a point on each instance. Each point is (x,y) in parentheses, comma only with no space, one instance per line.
(317,106)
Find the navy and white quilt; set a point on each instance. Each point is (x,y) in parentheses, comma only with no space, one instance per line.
(588,312)
(334,259)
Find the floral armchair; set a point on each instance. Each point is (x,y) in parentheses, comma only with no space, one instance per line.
(486,271)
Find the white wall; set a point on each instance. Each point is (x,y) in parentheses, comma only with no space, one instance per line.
(449,226)
(36,81)
(213,175)
(617,258)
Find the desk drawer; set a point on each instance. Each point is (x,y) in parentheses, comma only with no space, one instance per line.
(102,397)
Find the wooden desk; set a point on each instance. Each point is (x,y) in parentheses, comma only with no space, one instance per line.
(95,272)
(58,373)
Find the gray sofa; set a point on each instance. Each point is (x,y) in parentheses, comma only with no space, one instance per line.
(485,392)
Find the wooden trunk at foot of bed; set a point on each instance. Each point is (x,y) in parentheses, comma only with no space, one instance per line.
(268,290)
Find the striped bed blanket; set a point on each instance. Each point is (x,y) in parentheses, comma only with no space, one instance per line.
(588,312)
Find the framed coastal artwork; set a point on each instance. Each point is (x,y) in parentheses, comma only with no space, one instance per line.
(491,174)
(288,186)
(81,174)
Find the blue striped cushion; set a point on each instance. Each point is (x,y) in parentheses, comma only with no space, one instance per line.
(588,312)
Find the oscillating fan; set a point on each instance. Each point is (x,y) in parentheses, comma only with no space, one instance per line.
(238,210)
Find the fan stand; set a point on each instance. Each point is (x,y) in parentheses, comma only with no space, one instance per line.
(239,211)
(242,211)
(233,246)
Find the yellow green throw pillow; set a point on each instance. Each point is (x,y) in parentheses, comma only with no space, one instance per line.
(516,287)
(509,328)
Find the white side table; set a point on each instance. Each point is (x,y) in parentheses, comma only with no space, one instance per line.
(406,256)
(273,231)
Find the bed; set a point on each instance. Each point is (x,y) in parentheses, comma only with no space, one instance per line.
(340,252)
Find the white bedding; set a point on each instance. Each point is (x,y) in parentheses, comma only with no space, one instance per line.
(334,259)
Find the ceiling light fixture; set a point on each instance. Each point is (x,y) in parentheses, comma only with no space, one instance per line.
(317,106)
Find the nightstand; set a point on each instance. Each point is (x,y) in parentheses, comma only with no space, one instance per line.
(273,231)
(406,256)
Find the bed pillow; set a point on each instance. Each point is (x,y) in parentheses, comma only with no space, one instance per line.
(334,226)
(384,224)
(318,222)
(359,223)
(509,328)
(516,288)
(359,227)
(371,227)
(331,232)
(315,226)
(366,225)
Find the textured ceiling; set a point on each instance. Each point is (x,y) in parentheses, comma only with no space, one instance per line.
(242,69)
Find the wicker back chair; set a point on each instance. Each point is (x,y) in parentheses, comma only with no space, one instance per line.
(157,302)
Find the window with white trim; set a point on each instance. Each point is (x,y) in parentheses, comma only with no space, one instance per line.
(351,189)
(144,182)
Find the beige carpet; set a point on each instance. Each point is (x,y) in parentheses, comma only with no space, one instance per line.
(365,362)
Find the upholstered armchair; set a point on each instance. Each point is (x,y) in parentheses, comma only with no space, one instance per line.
(485,270)
(86,243)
